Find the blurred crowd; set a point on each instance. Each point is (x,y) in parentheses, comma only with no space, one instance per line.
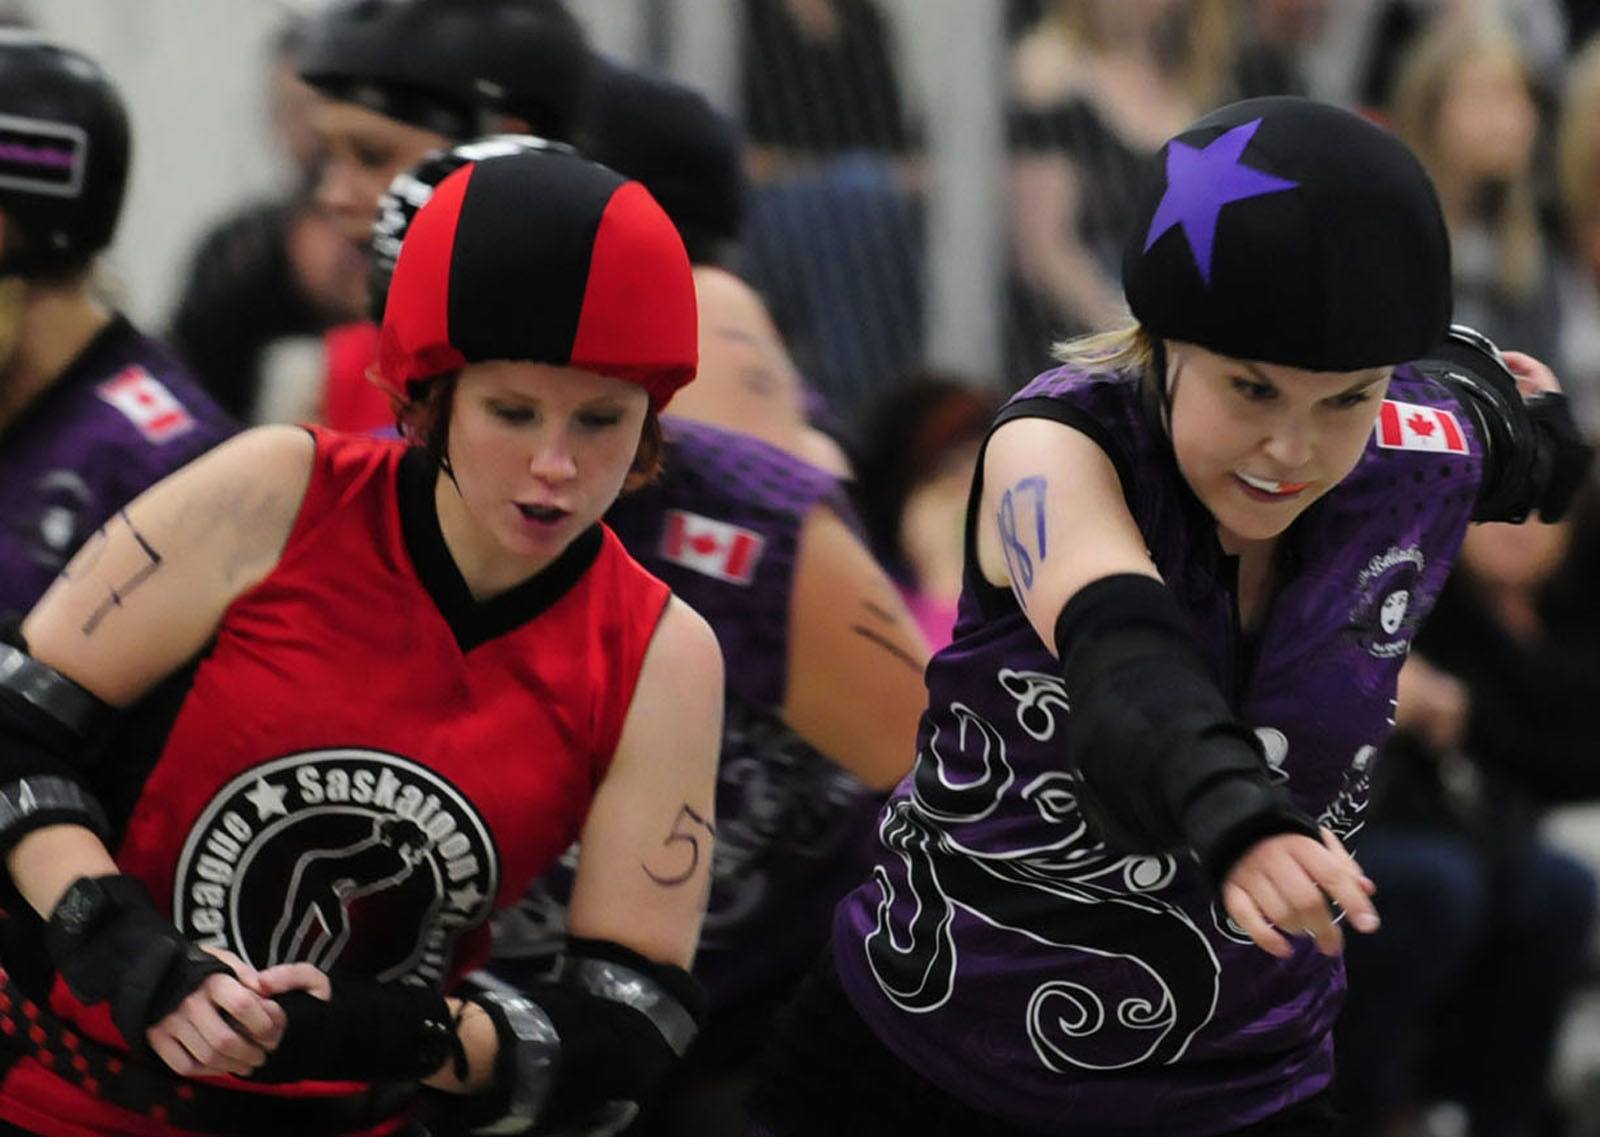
(805,215)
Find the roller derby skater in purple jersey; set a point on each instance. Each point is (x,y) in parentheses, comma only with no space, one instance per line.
(91,410)
(1108,899)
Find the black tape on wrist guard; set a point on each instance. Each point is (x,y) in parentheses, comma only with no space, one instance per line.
(1162,762)
(110,945)
(1535,458)
(366,1031)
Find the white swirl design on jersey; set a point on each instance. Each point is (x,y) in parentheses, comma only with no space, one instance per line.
(1066,890)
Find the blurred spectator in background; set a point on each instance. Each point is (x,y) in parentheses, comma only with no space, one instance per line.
(403,78)
(274,271)
(1273,35)
(919,447)
(689,155)
(1394,27)
(820,80)
(1097,87)
(1486,929)
(835,234)
(1464,104)
(1578,274)
(91,411)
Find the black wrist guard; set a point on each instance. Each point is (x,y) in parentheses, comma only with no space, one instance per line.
(109,944)
(1163,764)
(584,1052)
(1535,456)
(365,1031)
(527,1064)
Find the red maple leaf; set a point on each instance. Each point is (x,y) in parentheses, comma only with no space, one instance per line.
(704,544)
(1421,424)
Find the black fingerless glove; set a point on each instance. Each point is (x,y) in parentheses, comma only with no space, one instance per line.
(365,1032)
(110,945)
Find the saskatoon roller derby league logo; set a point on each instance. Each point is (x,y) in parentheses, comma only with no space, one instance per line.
(353,860)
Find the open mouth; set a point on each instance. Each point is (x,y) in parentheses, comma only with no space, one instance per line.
(546,514)
(1267,487)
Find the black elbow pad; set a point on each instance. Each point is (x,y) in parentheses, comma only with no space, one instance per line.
(1163,764)
(1535,458)
(48,727)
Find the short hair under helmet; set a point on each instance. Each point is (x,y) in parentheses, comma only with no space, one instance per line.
(63,155)
(540,256)
(1292,232)
(450,66)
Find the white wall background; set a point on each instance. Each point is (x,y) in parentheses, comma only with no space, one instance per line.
(192,74)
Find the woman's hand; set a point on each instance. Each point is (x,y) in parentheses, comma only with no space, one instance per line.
(1432,705)
(287,977)
(1532,377)
(225,1026)
(1284,884)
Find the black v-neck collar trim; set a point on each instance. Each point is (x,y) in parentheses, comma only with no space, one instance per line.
(474,622)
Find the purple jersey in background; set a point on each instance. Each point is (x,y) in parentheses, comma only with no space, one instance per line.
(1020,965)
(722,528)
(122,416)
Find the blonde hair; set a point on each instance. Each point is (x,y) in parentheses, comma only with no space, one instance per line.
(1127,349)
(1426,73)
(1578,143)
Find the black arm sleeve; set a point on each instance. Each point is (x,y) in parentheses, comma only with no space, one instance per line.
(1535,456)
(1163,762)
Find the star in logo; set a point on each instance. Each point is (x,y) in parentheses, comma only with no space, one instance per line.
(466,899)
(268,800)
(1200,182)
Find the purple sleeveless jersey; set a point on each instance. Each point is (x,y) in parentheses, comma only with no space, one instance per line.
(123,416)
(1010,958)
(722,528)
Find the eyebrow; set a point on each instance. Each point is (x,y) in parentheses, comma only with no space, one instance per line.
(1270,381)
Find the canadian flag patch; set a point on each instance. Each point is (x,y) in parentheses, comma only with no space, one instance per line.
(715,548)
(1409,426)
(147,404)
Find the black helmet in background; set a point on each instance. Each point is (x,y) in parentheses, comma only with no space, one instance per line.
(454,67)
(64,152)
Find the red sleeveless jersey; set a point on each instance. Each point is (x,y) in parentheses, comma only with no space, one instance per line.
(366,762)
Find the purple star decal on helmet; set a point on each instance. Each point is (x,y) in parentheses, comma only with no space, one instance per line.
(1201,182)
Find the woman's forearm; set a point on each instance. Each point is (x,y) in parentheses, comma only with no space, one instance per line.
(46,862)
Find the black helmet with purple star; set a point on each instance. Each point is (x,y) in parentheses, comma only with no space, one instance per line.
(1292,232)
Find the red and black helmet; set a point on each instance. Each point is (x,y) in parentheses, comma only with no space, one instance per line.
(540,256)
